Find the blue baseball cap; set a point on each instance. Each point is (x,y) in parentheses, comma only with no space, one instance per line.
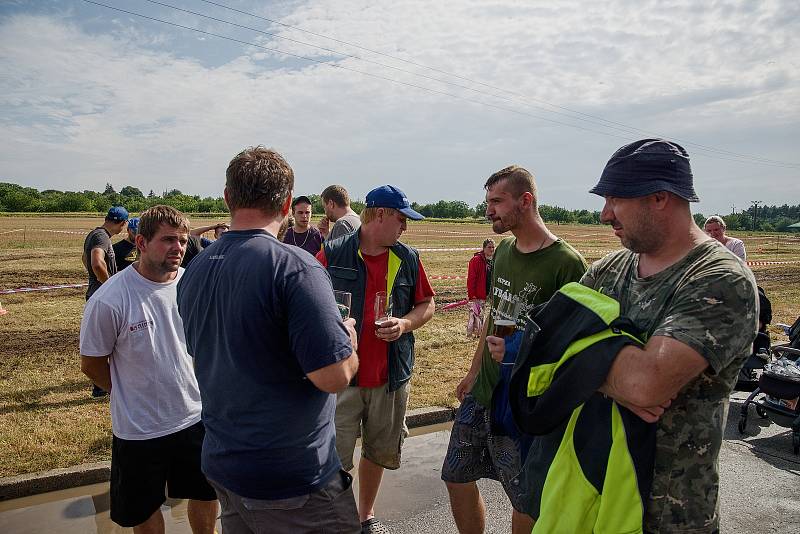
(133,224)
(117,214)
(388,196)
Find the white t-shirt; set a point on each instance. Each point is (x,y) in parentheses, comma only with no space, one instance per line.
(736,246)
(135,321)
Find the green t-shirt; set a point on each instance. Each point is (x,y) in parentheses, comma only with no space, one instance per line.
(530,278)
(708,301)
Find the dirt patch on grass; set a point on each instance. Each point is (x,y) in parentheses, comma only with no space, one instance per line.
(25,342)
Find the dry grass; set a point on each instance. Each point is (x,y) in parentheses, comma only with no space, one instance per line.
(48,419)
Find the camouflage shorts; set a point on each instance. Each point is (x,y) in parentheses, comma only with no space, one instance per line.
(475,453)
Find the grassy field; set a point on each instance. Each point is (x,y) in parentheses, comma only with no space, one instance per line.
(48,419)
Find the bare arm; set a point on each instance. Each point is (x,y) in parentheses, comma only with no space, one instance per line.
(98,370)
(395,327)
(197,232)
(337,376)
(465,386)
(649,378)
(99,264)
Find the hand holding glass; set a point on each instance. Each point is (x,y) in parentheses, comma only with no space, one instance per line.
(383,308)
(343,300)
(505,318)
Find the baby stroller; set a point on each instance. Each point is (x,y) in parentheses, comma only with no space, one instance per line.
(748,377)
(776,397)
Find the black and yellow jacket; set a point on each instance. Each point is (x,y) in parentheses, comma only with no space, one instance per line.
(591,467)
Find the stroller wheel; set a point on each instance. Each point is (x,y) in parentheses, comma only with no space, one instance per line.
(742,425)
(762,413)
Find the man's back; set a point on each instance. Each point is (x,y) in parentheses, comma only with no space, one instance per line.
(256,323)
(707,301)
(346,224)
(125,253)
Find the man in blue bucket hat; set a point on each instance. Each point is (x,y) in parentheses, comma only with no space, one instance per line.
(696,304)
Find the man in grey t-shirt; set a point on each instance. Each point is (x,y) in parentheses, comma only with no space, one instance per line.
(99,259)
(337,211)
(98,254)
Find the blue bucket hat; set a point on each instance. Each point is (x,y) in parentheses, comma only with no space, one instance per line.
(645,167)
(388,196)
(117,214)
(133,224)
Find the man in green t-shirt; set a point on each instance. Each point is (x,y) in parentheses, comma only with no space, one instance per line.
(696,304)
(528,268)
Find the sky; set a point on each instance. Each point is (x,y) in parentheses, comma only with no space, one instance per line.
(432,97)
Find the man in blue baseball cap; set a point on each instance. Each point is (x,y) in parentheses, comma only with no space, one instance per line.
(125,251)
(365,263)
(98,256)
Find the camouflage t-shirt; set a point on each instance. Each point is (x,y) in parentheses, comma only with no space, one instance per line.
(708,301)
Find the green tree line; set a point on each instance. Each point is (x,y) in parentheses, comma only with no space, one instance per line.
(16,198)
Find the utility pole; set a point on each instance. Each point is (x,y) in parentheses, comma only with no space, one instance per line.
(755,204)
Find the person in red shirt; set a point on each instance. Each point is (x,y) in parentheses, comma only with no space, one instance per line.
(364,263)
(478,281)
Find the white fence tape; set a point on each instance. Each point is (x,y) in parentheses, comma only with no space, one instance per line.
(80,232)
(40,288)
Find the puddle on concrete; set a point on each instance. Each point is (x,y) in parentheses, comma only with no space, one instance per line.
(85,509)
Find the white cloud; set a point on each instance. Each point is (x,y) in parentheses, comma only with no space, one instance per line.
(144,105)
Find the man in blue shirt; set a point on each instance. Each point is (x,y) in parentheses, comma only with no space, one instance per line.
(270,351)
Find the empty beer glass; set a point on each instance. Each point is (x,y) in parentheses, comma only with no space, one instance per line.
(383,308)
(343,300)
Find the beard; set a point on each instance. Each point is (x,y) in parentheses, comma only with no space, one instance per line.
(508,222)
(162,267)
(642,234)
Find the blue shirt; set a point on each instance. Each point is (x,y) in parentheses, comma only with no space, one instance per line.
(259,316)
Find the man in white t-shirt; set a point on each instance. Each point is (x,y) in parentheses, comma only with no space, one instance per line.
(132,344)
(715,227)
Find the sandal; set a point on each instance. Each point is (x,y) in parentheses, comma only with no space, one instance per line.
(373,525)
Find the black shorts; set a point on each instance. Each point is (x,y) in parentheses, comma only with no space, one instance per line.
(140,470)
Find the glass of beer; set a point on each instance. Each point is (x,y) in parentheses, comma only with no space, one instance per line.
(383,308)
(343,300)
(505,318)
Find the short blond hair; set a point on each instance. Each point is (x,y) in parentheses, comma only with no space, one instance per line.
(370,214)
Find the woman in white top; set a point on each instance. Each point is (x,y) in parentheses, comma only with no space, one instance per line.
(715,227)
